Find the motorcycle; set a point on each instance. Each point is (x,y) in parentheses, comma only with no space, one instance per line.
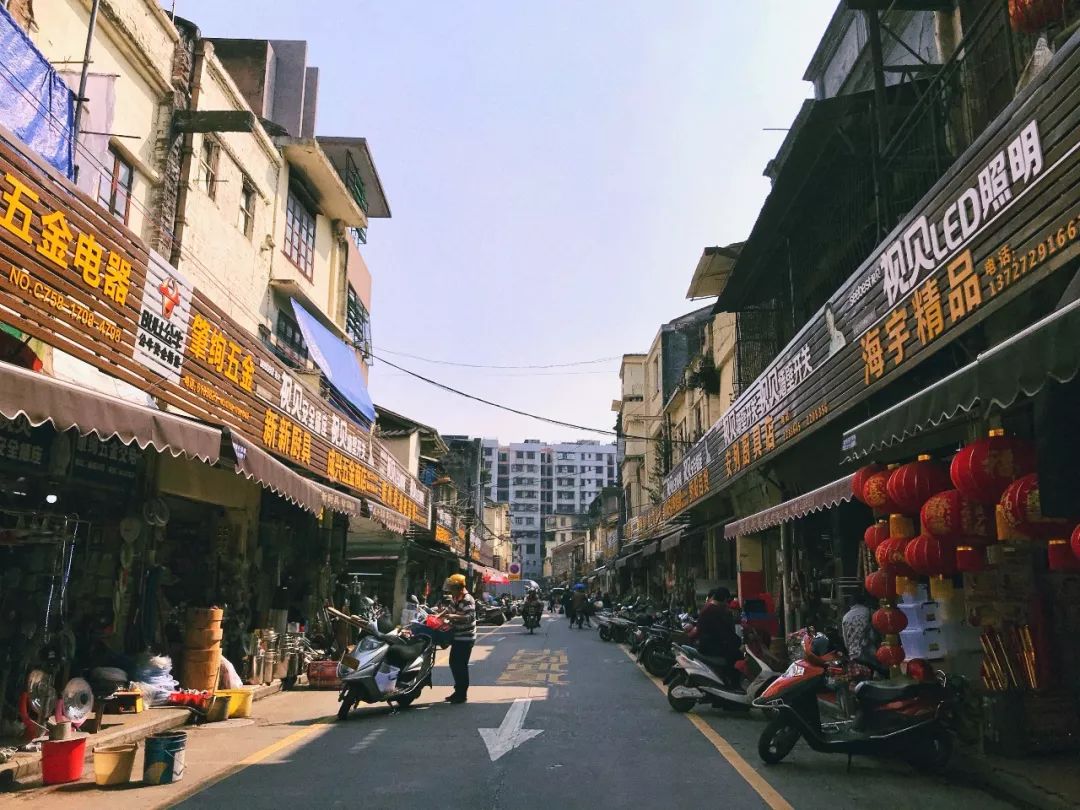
(530,615)
(382,667)
(490,614)
(655,653)
(698,678)
(912,719)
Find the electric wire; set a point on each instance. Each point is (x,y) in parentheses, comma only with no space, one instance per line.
(497,366)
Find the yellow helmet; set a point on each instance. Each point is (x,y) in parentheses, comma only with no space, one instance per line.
(455,581)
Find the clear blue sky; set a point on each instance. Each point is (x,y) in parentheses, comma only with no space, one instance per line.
(554,170)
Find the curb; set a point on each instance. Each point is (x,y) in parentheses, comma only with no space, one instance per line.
(1010,785)
(27,766)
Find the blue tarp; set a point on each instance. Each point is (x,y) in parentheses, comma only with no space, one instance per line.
(35,103)
(337,361)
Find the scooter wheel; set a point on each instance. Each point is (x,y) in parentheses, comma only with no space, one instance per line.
(657,664)
(605,633)
(777,740)
(679,704)
(405,701)
(345,707)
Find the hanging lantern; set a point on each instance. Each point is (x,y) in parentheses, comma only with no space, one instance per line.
(889,621)
(1035,16)
(970,559)
(1060,557)
(911,484)
(1074,541)
(983,469)
(890,556)
(859,480)
(930,556)
(913,553)
(1022,509)
(875,535)
(876,492)
(950,515)
(890,655)
(881,585)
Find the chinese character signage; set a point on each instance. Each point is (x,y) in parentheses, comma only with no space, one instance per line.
(81,282)
(1004,217)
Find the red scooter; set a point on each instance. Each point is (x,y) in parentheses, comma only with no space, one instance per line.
(910,719)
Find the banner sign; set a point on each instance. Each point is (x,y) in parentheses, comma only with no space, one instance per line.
(1006,215)
(81,282)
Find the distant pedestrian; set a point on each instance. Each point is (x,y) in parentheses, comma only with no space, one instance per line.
(568,606)
(461,613)
(579,602)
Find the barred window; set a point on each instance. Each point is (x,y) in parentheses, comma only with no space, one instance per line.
(300,235)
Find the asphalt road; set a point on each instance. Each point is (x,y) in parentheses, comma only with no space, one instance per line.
(607,739)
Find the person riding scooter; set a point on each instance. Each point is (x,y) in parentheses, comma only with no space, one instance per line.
(714,634)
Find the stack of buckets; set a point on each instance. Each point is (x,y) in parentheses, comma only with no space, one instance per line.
(202,649)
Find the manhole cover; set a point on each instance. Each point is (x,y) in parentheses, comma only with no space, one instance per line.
(236,722)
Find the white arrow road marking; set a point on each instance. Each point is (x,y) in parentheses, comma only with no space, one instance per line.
(510,734)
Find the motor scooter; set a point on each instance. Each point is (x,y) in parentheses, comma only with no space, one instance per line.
(698,678)
(530,615)
(907,718)
(382,667)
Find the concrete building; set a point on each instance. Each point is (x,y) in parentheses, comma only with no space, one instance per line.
(497,534)
(633,429)
(537,480)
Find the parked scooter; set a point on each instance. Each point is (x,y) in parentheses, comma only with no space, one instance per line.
(698,678)
(655,653)
(911,719)
(382,667)
(490,614)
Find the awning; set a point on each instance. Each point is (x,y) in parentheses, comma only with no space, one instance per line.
(670,541)
(387,518)
(713,271)
(650,549)
(44,399)
(621,562)
(339,502)
(1049,349)
(259,466)
(814,501)
(337,361)
(493,577)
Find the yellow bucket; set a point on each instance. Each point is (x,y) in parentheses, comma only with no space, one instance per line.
(113,763)
(240,700)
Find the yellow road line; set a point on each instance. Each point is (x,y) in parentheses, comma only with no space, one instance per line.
(725,749)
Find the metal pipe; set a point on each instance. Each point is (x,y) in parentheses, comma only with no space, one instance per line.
(80,101)
(785,562)
(186,159)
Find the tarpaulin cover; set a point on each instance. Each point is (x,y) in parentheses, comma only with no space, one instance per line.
(337,361)
(825,497)
(35,103)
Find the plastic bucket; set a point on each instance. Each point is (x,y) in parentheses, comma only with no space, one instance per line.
(163,762)
(220,706)
(240,701)
(63,760)
(113,764)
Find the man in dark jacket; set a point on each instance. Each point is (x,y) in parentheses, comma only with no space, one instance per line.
(714,634)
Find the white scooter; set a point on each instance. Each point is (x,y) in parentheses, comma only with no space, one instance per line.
(697,678)
(382,667)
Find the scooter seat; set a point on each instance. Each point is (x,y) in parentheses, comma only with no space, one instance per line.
(401,655)
(712,660)
(883,692)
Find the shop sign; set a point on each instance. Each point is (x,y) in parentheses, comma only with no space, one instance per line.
(1003,218)
(23,445)
(81,282)
(108,463)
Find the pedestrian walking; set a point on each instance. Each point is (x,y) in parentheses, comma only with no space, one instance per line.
(568,606)
(579,603)
(461,613)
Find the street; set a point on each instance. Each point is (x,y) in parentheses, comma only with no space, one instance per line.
(602,735)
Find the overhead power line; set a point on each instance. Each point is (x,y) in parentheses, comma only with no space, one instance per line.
(494,365)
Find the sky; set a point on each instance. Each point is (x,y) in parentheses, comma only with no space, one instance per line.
(554,170)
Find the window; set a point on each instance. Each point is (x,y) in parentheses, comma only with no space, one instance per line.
(209,156)
(503,457)
(531,454)
(114,191)
(487,451)
(300,235)
(358,322)
(519,454)
(530,548)
(290,341)
(656,375)
(246,220)
(530,521)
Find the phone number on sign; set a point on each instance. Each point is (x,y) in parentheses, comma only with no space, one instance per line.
(1004,267)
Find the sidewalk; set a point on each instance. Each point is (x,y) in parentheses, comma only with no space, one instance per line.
(118,729)
(1046,782)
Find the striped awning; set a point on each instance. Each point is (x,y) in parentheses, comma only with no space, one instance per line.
(824,497)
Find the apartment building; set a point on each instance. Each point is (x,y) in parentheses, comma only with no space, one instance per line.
(538,479)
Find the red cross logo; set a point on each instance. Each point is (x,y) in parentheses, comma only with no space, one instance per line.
(170,296)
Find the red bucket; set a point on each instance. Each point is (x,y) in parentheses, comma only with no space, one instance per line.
(62,761)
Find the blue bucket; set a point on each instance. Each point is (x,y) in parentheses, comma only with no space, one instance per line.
(164,759)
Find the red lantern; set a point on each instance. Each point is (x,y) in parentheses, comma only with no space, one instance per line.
(889,621)
(938,557)
(876,493)
(859,480)
(875,535)
(881,585)
(911,484)
(913,554)
(1035,16)
(970,559)
(1022,509)
(983,469)
(949,515)
(1075,542)
(1060,556)
(890,556)
(890,655)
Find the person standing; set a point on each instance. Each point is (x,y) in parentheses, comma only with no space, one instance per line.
(461,613)
(568,606)
(578,604)
(855,627)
